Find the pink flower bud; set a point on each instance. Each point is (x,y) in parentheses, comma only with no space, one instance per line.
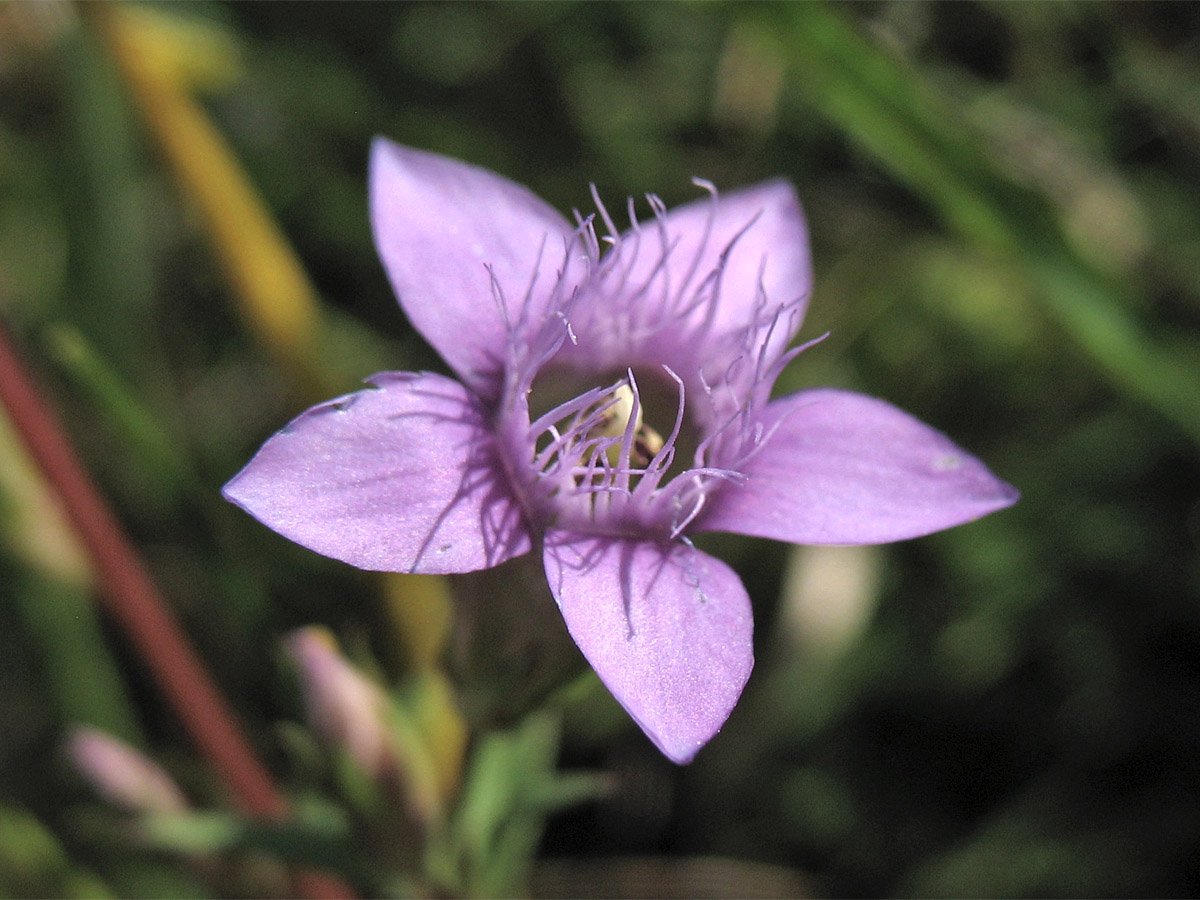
(123,775)
(345,709)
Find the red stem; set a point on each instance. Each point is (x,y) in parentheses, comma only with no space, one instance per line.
(135,603)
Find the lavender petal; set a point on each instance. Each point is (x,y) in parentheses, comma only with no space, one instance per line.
(844,468)
(667,628)
(469,254)
(401,478)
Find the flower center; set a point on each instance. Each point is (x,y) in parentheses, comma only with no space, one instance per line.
(625,413)
(594,456)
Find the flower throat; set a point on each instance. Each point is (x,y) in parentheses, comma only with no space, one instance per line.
(627,437)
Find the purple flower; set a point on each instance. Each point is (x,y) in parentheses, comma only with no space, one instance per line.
(614,398)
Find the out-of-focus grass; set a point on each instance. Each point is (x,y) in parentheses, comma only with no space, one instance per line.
(917,133)
(1002,199)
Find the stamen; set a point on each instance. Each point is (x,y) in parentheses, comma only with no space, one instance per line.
(632,400)
(626,407)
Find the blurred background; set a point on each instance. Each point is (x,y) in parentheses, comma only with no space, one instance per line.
(1004,203)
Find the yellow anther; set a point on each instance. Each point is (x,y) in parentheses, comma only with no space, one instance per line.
(646,441)
(616,419)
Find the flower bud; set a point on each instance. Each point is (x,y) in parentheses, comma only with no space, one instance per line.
(123,775)
(345,709)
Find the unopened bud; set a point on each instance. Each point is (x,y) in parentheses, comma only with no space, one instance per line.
(122,775)
(343,707)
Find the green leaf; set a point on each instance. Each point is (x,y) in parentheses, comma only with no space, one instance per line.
(121,411)
(34,864)
(511,787)
(79,669)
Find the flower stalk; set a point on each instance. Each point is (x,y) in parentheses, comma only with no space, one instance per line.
(133,600)
(274,294)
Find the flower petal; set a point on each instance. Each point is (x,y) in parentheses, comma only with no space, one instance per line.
(843,468)
(772,252)
(667,628)
(440,225)
(714,289)
(403,478)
